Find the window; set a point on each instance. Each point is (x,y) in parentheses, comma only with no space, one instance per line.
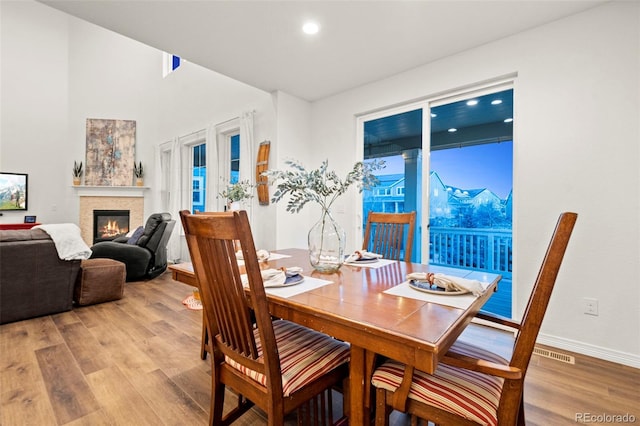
(170,63)
(234,141)
(199,177)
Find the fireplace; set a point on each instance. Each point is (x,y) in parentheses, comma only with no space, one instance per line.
(109,224)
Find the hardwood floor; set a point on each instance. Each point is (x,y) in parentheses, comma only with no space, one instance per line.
(136,361)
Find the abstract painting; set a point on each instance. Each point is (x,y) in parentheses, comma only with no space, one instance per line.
(111,148)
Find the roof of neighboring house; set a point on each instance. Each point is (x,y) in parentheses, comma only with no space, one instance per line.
(390,180)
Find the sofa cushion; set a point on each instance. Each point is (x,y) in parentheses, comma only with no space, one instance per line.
(9,235)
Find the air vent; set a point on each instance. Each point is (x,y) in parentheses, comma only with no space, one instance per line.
(558,356)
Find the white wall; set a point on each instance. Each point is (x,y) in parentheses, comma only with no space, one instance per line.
(57,71)
(577,106)
(294,143)
(34,108)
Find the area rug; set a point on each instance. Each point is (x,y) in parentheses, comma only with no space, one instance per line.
(192,303)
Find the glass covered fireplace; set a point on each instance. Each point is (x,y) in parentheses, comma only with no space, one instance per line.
(109,224)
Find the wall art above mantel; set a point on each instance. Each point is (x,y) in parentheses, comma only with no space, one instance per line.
(111,147)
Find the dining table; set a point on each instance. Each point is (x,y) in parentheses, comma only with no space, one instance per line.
(371,306)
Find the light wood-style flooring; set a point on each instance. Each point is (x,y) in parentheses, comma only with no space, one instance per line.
(136,361)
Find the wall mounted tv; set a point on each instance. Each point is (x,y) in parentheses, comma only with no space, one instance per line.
(14,188)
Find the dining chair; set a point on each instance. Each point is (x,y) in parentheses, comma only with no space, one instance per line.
(384,234)
(472,385)
(275,364)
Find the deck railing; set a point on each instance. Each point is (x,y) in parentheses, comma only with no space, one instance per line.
(482,249)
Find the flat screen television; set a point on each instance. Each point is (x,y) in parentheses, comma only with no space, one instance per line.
(14,191)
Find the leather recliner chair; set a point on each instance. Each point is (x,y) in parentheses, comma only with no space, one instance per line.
(145,259)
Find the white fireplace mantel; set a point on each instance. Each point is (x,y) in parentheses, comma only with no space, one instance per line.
(110,191)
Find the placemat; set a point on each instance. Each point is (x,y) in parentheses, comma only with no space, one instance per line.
(462,301)
(309,283)
(379,264)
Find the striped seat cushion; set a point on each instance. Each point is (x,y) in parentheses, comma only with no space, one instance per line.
(469,394)
(305,355)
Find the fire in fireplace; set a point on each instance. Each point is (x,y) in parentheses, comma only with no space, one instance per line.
(109,224)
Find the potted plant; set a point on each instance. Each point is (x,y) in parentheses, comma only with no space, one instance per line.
(138,171)
(237,193)
(326,238)
(77,172)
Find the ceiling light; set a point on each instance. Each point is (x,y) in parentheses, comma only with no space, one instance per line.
(433,115)
(310,28)
(472,102)
(496,102)
(508,120)
(452,130)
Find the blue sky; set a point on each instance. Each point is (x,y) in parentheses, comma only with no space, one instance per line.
(481,166)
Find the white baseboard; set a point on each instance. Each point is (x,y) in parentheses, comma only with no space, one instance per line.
(631,360)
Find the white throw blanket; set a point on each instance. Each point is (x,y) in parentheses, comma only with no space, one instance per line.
(69,243)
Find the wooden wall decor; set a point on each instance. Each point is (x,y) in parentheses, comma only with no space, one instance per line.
(262,165)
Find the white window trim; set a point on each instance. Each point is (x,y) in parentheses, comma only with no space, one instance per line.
(224,132)
(187,142)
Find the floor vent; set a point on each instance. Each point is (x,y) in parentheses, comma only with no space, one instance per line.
(558,356)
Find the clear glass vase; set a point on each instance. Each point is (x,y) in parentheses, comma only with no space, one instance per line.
(326,244)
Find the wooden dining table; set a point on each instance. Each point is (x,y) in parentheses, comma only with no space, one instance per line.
(356,307)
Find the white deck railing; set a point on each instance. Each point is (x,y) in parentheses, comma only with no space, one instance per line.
(482,249)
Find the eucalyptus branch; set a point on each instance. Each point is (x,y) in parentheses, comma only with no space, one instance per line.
(319,185)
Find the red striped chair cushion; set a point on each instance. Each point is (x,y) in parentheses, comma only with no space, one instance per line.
(305,355)
(471,395)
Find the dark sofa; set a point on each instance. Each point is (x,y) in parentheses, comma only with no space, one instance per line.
(34,281)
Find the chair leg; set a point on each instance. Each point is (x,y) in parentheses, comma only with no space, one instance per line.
(521,420)
(382,409)
(204,342)
(217,401)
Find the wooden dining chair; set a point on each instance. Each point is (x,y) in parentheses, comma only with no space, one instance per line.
(275,364)
(384,234)
(472,385)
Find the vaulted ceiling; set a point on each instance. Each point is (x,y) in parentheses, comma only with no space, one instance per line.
(261,42)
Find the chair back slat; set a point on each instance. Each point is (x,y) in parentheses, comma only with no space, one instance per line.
(212,241)
(385,234)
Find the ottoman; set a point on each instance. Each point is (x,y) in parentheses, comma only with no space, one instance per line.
(99,280)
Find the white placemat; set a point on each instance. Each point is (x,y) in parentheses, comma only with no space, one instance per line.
(277,256)
(462,301)
(272,256)
(309,283)
(379,264)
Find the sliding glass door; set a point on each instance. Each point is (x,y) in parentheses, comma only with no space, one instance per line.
(464,199)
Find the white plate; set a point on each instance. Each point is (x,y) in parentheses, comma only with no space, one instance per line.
(361,261)
(296,279)
(429,288)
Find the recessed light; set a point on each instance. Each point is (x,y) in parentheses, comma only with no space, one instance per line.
(496,102)
(452,130)
(310,28)
(508,120)
(472,102)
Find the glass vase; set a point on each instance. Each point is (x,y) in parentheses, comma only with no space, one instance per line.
(326,244)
